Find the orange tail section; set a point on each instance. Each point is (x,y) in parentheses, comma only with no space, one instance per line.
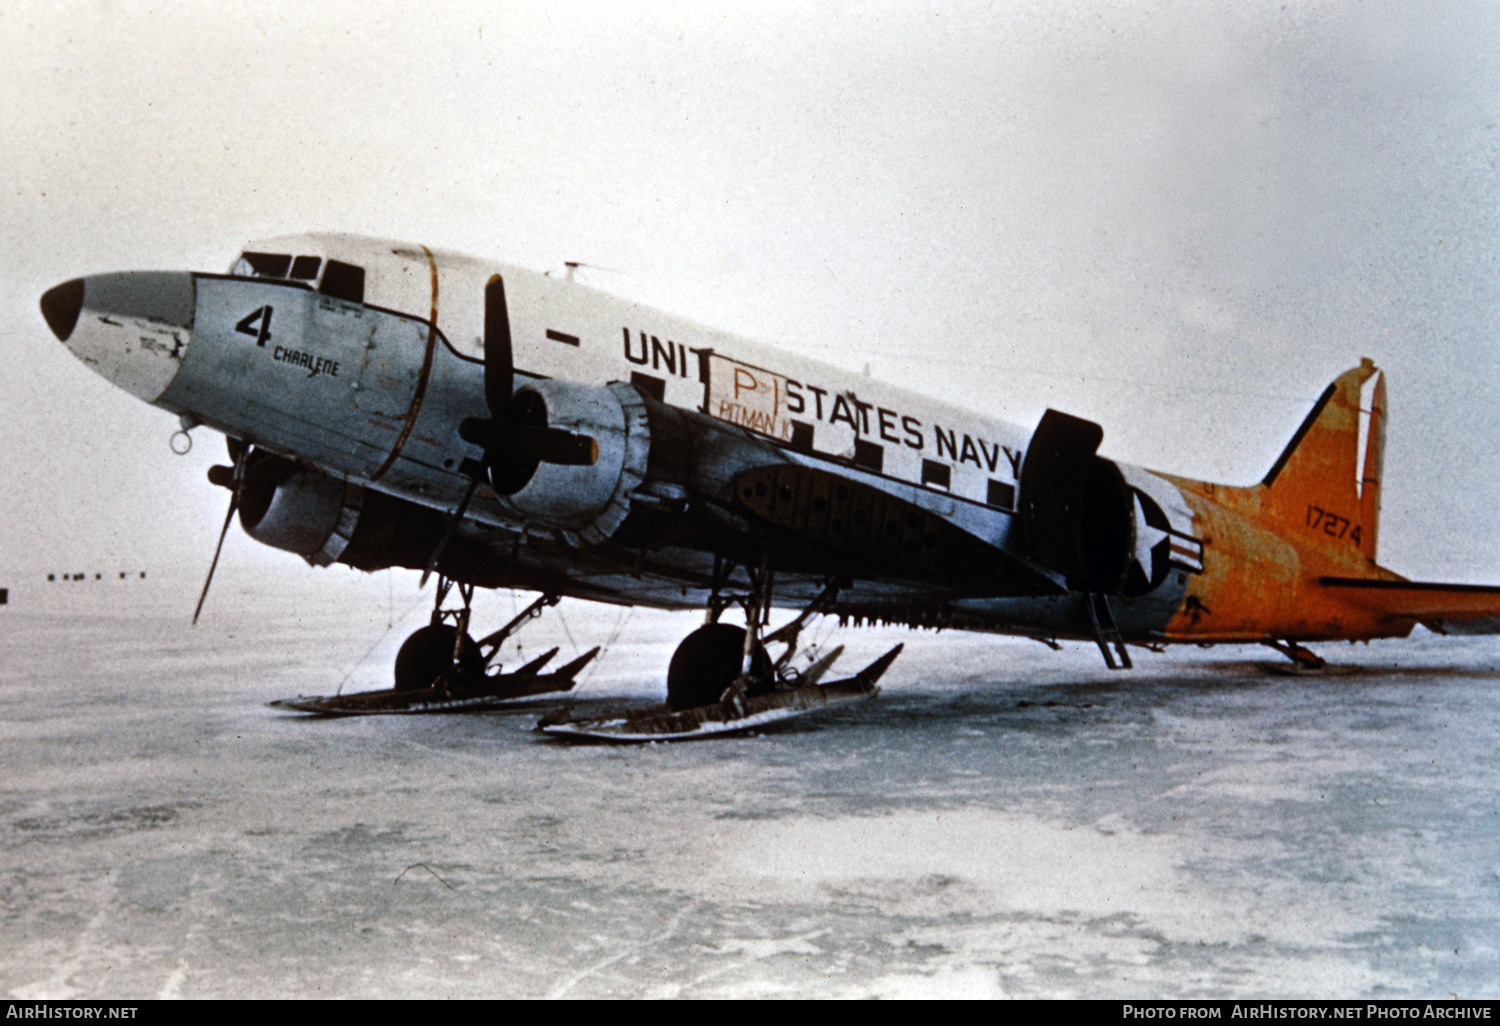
(1314,517)
(1296,553)
(1319,486)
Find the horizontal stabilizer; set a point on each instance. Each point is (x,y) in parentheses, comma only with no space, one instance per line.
(1444,608)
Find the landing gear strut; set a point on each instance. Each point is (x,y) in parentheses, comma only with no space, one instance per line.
(721,680)
(719,661)
(433,653)
(1305,659)
(444,654)
(707,662)
(442,651)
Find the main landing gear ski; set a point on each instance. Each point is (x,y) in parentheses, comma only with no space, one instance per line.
(441,668)
(722,681)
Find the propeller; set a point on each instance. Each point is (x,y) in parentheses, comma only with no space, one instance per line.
(232,478)
(515,437)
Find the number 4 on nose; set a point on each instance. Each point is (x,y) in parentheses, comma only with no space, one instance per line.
(257,325)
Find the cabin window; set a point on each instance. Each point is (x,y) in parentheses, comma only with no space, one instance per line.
(343,281)
(305,268)
(263,265)
(937,474)
(802,436)
(656,388)
(1001,494)
(869,455)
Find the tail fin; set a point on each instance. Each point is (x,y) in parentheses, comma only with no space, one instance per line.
(1318,482)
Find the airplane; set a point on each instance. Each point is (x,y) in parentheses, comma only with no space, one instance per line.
(392,405)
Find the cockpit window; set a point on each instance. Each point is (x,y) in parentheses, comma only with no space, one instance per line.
(340,280)
(305,268)
(264,265)
(343,281)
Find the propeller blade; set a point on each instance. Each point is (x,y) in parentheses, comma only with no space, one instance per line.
(238,478)
(481,432)
(453,522)
(512,454)
(499,365)
(515,437)
(202,595)
(554,445)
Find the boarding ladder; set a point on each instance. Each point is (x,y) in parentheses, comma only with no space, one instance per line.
(1106,633)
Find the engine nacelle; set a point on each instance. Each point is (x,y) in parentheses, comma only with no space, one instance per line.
(299,510)
(1075,506)
(326,521)
(587,504)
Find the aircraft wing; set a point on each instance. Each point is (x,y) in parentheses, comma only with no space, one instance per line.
(1444,608)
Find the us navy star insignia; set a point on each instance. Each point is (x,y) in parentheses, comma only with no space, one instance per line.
(1146,539)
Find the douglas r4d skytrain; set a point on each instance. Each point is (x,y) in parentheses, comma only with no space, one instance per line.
(389,405)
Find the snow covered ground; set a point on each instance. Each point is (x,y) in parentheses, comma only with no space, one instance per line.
(1001,820)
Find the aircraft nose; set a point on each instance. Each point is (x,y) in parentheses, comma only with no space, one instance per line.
(60,306)
(132,328)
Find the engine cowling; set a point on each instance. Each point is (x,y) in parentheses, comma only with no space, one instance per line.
(299,510)
(326,521)
(587,504)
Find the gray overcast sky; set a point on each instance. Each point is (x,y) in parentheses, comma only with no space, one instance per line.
(1180,219)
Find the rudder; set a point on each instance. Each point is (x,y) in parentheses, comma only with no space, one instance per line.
(1374,469)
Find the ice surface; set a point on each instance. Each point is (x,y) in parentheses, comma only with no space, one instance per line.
(1002,820)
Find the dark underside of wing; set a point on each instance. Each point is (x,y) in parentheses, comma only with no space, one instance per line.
(1444,608)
